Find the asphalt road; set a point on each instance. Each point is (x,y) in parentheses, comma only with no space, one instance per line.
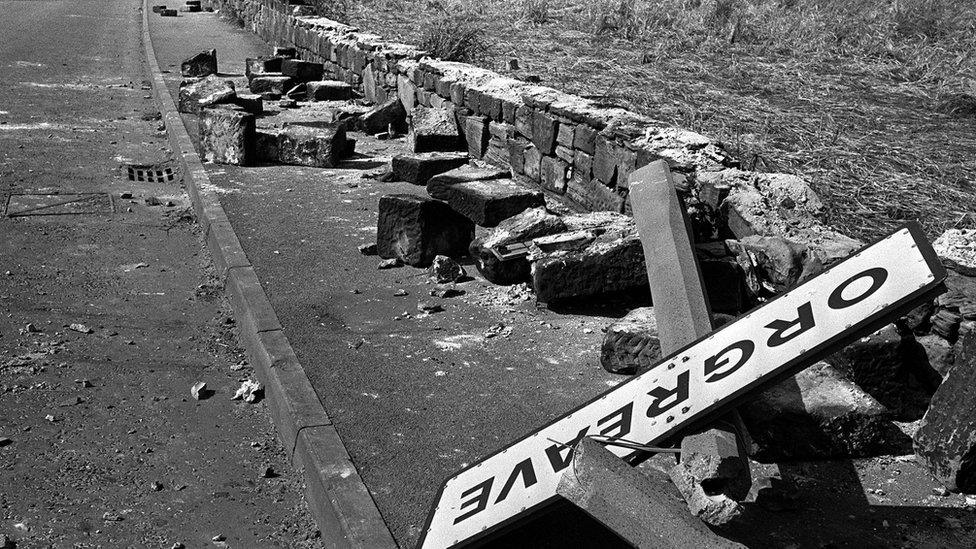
(101,444)
(416,397)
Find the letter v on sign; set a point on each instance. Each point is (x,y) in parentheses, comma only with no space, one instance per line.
(853,298)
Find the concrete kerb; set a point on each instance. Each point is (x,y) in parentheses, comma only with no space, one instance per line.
(339,500)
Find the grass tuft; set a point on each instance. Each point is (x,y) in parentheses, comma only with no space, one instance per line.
(459,36)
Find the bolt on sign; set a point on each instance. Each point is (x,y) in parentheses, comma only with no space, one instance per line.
(854,297)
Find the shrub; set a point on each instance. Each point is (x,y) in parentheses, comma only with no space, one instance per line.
(456,37)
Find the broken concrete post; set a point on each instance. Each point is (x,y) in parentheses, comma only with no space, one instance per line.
(819,414)
(196,94)
(631,344)
(432,129)
(302,71)
(201,64)
(328,90)
(227,135)
(639,506)
(713,508)
(321,147)
(418,168)
(946,437)
(387,117)
(683,315)
(415,230)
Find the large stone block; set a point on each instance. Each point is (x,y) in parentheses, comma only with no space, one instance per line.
(327,90)
(386,117)
(227,135)
(487,202)
(418,168)
(415,230)
(201,64)
(523,227)
(819,414)
(631,344)
(553,173)
(196,94)
(432,130)
(274,84)
(946,437)
(476,135)
(545,128)
(302,71)
(320,146)
(258,66)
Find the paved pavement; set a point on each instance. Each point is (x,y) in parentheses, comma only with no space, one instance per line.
(416,397)
(103,444)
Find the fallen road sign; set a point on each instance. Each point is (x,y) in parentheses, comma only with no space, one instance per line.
(854,297)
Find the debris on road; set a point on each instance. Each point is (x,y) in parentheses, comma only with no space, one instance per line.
(200,65)
(415,230)
(391,263)
(249,391)
(429,307)
(80,328)
(199,390)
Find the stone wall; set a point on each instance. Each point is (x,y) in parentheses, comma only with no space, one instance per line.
(572,147)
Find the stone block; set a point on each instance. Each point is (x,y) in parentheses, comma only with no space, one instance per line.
(553,174)
(321,146)
(523,227)
(275,84)
(388,116)
(592,194)
(946,438)
(327,90)
(168,13)
(250,102)
(204,92)
(631,344)
(544,131)
(286,52)
(407,92)
(201,64)
(524,121)
(302,71)
(532,163)
(227,135)
(819,414)
(476,135)
(566,135)
(596,263)
(257,66)
(584,139)
(486,202)
(605,160)
(418,168)
(415,230)
(516,154)
(432,130)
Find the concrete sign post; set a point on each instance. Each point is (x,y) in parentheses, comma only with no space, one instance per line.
(694,384)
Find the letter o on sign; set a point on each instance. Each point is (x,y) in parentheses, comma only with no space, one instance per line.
(838,299)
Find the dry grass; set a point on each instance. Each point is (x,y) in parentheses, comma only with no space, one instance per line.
(852,93)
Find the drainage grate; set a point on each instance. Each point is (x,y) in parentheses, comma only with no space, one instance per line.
(26,205)
(150,173)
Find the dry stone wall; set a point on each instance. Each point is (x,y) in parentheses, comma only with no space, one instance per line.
(572,147)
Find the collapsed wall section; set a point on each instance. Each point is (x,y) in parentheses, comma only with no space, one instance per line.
(574,148)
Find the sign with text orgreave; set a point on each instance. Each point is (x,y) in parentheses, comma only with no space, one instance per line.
(790,332)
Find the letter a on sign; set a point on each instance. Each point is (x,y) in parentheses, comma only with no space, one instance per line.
(851,299)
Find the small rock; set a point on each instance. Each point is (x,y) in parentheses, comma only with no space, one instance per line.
(4,441)
(178,545)
(429,307)
(6,543)
(111,517)
(249,391)
(268,472)
(288,104)
(218,538)
(85,384)
(368,249)
(31,329)
(71,402)
(239,366)
(446,291)
(51,418)
(156,486)
(400,293)
(391,263)
(444,269)
(80,328)
(941,491)
(199,390)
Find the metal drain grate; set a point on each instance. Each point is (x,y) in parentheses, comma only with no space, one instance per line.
(27,205)
(150,173)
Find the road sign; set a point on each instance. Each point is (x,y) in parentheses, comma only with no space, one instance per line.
(849,300)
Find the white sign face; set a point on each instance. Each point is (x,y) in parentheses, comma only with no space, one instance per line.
(786,334)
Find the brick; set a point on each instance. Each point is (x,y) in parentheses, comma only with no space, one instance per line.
(201,64)
(227,136)
(433,130)
(524,121)
(544,128)
(605,161)
(532,163)
(328,90)
(418,168)
(205,92)
(516,154)
(476,135)
(415,230)
(566,134)
(271,84)
(554,174)
(302,71)
(584,139)
(485,202)
(565,154)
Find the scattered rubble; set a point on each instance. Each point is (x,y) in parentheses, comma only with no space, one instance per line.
(249,391)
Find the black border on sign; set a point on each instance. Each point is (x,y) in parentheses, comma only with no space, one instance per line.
(812,355)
